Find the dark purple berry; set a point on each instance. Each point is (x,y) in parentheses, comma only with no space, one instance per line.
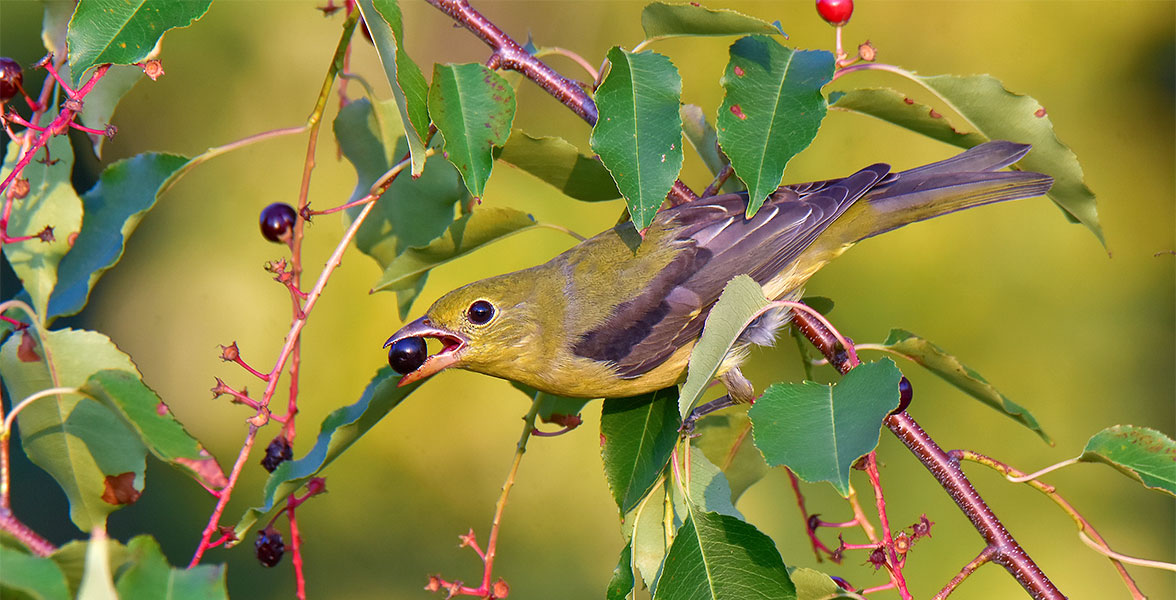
(277,452)
(905,393)
(835,12)
(407,354)
(277,222)
(11,77)
(269,546)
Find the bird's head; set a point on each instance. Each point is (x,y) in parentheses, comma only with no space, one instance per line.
(483,327)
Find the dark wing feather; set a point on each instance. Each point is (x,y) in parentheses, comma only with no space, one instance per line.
(717,243)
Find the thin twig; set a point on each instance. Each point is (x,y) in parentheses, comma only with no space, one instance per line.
(1084,527)
(894,565)
(984,556)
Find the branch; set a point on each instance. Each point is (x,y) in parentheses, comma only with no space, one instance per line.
(1005,550)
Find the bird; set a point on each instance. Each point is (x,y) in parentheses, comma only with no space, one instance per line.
(618,314)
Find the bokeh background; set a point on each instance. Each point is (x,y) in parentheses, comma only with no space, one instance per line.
(1082,336)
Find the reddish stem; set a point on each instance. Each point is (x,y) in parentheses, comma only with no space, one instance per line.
(296,545)
(536,432)
(14,527)
(245,365)
(817,544)
(17,324)
(60,124)
(894,565)
(223,500)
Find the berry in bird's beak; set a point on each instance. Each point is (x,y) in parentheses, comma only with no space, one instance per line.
(407,354)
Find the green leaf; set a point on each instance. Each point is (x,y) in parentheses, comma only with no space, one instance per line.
(97,583)
(818,430)
(150,576)
(992,113)
(51,202)
(473,108)
(413,212)
(719,557)
(124,193)
(951,370)
(661,20)
(650,526)
(703,137)
(639,133)
(82,444)
(409,88)
(102,100)
(551,407)
(891,106)
(1002,115)
(637,436)
(708,488)
(146,414)
(55,27)
(725,438)
(742,299)
(123,32)
(812,584)
(771,111)
(339,431)
(33,576)
(1146,455)
(468,233)
(71,558)
(560,164)
(622,581)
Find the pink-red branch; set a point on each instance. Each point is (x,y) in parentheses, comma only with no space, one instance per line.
(1006,551)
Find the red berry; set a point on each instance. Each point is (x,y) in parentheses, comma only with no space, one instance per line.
(277,222)
(10,78)
(835,12)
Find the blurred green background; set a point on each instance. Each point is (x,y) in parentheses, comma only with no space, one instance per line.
(1082,338)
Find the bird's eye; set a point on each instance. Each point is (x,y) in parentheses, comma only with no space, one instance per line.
(480,312)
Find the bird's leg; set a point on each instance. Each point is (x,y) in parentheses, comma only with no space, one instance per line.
(739,391)
(738,386)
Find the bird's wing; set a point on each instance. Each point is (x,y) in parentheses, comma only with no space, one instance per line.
(717,242)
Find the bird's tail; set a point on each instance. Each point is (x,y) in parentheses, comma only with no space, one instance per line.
(962,181)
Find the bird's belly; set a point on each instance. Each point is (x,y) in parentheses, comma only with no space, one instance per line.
(597,379)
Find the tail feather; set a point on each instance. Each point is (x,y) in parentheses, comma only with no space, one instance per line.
(941,194)
(989,156)
(962,181)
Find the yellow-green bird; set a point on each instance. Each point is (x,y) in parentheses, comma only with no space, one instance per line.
(609,318)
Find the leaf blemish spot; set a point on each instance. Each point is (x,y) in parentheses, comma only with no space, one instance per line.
(1040,112)
(935,115)
(908,100)
(738,71)
(738,112)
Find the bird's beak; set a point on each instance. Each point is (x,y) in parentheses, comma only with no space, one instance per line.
(448,356)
